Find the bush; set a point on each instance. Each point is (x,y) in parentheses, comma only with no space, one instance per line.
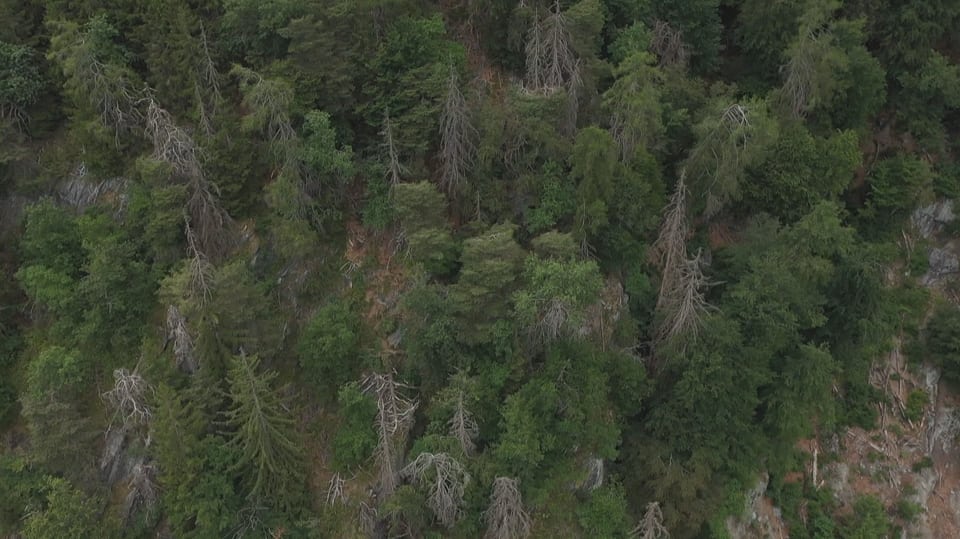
(916,402)
(329,347)
(356,438)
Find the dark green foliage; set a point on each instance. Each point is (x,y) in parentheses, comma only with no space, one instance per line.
(329,348)
(518,312)
(262,431)
(20,78)
(356,437)
(898,184)
(868,520)
(800,171)
(605,513)
(67,512)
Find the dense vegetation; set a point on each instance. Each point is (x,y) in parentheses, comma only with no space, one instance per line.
(336,268)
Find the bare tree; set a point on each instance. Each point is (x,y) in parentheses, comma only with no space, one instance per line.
(395,170)
(505,517)
(208,78)
(128,397)
(670,248)
(142,491)
(652,525)
(201,270)
(393,421)
(457,136)
(177,332)
(667,43)
(269,100)
(335,490)
(686,306)
(171,143)
(551,61)
(447,483)
(174,145)
(463,427)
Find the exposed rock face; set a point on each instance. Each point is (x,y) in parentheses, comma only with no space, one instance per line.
(930,220)
(943,263)
(760,519)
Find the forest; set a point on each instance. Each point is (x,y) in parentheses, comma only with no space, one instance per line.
(464,268)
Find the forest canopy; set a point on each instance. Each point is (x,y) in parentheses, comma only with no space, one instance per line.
(501,269)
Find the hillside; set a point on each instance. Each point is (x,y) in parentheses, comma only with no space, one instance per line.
(500,269)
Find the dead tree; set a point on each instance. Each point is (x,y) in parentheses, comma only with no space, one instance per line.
(456,137)
(652,525)
(505,517)
(393,421)
(447,480)
(686,305)
(207,82)
(670,248)
(395,170)
(667,43)
(335,490)
(463,427)
(183,351)
(551,61)
(201,270)
(205,215)
(142,491)
(128,398)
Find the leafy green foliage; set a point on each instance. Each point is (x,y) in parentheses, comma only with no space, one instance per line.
(329,348)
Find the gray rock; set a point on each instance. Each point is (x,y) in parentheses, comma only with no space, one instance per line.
(931,219)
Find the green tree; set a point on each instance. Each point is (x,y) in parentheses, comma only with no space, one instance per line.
(490,272)
(263,433)
(194,469)
(67,512)
(329,348)
(21,79)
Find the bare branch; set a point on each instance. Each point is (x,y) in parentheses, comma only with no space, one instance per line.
(463,427)
(457,148)
(505,517)
(395,170)
(129,398)
(335,490)
(177,331)
(667,43)
(551,61)
(142,491)
(670,248)
(394,418)
(652,525)
(446,484)
(685,306)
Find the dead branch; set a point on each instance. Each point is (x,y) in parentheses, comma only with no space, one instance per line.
(457,136)
(670,248)
(667,43)
(395,170)
(394,418)
(652,525)
(335,490)
(446,484)
(463,427)
(686,305)
(129,398)
(505,517)
(142,493)
(177,331)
